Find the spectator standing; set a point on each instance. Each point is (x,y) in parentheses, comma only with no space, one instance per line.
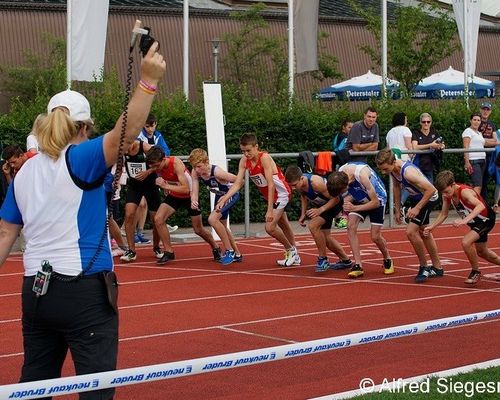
(426,138)
(31,140)
(399,137)
(474,162)
(487,129)
(14,158)
(364,135)
(339,140)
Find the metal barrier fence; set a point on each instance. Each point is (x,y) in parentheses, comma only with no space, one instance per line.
(352,153)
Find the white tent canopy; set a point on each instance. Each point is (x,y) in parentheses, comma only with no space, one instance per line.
(449,84)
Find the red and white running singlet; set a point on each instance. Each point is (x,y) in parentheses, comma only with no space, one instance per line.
(282,192)
(169,175)
(464,208)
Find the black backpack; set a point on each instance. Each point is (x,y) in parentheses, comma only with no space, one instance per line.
(305,161)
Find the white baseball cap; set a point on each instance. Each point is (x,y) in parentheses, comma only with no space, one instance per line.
(76,103)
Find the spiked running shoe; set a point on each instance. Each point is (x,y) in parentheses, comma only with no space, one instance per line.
(228,257)
(342,264)
(291,258)
(157,252)
(355,272)
(167,256)
(473,277)
(217,253)
(129,256)
(341,224)
(171,228)
(388,266)
(118,252)
(322,265)
(423,274)
(238,257)
(435,272)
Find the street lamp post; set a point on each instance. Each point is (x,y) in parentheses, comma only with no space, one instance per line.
(215,52)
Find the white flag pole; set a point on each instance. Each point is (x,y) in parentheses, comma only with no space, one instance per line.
(291,57)
(466,53)
(68,43)
(384,49)
(185,53)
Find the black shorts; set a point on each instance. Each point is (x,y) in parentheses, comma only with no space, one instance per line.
(422,218)
(152,195)
(178,202)
(376,215)
(329,215)
(483,227)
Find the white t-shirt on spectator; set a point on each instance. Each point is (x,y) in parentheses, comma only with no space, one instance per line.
(395,139)
(31,142)
(476,142)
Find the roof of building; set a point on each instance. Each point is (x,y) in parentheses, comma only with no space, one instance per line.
(327,8)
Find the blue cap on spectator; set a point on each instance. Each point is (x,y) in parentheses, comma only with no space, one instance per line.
(486,105)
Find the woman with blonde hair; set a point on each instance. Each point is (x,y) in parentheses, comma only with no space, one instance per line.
(58,199)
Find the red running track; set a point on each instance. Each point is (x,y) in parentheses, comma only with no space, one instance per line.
(193,307)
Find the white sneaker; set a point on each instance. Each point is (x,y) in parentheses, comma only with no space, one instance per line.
(172,228)
(291,258)
(117,252)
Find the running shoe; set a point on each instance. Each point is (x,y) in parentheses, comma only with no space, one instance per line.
(238,257)
(227,258)
(342,223)
(356,271)
(158,253)
(172,228)
(217,253)
(423,274)
(140,239)
(129,256)
(291,258)
(388,267)
(473,277)
(342,264)
(118,252)
(435,272)
(322,265)
(167,256)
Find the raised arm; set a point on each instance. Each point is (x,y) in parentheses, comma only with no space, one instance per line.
(152,69)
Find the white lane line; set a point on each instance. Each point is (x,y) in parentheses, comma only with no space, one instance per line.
(257,335)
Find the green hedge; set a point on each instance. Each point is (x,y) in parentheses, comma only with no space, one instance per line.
(279,127)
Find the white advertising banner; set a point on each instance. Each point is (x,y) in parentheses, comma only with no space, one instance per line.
(468,29)
(87,27)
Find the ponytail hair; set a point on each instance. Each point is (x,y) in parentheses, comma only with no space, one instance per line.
(55,132)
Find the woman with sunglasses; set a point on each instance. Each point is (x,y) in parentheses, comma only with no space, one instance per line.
(426,138)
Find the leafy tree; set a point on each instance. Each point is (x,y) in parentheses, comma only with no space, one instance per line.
(418,38)
(40,73)
(258,62)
